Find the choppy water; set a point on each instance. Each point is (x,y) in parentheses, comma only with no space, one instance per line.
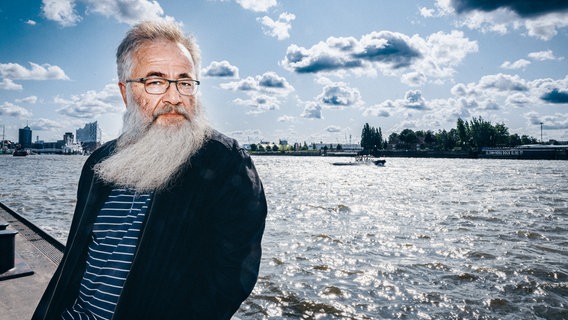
(416,239)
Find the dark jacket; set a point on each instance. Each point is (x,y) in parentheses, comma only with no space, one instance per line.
(199,250)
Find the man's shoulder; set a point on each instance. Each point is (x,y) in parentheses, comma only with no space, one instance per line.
(102,152)
(218,140)
(220,146)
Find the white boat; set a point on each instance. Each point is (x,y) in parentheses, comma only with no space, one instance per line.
(362,160)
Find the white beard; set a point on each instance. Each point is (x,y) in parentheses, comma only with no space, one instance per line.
(148,156)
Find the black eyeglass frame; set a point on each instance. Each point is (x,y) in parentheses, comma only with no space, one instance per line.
(177,82)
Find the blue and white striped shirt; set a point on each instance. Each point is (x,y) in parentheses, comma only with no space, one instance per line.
(111,251)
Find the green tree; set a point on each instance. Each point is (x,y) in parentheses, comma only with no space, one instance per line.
(463,134)
(371,138)
(408,138)
(501,135)
(514,140)
(482,133)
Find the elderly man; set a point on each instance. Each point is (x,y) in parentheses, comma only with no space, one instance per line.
(170,216)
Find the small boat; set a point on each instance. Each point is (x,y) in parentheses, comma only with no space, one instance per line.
(379,162)
(20,153)
(362,160)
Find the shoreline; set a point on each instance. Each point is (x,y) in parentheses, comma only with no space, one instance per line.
(496,153)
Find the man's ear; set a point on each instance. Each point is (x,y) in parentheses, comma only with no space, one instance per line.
(122,87)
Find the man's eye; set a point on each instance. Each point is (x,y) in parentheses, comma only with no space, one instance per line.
(186,83)
(155,82)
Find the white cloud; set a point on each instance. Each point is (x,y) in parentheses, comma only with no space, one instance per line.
(264,92)
(43,124)
(30,99)
(286,118)
(414,59)
(8,84)
(312,110)
(519,64)
(92,104)
(61,11)
(502,16)
(12,110)
(257,5)
(269,82)
(37,72)
(333,129)
(543,55)
(279,28)
(259,103)
(222,69)
(125,11)
(31,22)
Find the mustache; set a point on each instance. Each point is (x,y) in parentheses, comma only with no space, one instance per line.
(167,108)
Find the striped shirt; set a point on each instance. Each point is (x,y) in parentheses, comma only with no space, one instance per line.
(111,251)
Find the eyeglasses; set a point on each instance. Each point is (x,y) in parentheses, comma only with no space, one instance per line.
(155,85)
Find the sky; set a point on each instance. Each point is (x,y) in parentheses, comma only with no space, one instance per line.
(304,70)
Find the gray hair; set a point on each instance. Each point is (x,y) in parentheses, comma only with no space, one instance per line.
(149,31)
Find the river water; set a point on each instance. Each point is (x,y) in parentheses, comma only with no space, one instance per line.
(416,239)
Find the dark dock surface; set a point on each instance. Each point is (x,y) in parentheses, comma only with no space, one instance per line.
(37,255)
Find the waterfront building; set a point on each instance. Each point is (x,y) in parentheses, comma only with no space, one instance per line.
(89,136)
(25,137)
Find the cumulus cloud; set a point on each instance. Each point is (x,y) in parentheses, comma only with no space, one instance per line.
(12,110)
(512,90)
(333,129)
(556,96)
(257,5)
(222,69)
(264,91)
(30,99)
(339,95)
(543,55)
(31,22)
(312,110)
(521,8)
(519,64)
(259,103)
(541,19)
(8,84)
(390,53)
(60,11)
(279,28)
(557,121)
(36,72)
(43,124)
(334,95)
(125,11)
(286,118)
(269,82)
(91,104)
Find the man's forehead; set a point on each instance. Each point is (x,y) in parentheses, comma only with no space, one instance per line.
(152,54)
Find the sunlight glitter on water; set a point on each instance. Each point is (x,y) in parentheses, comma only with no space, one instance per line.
(418,238)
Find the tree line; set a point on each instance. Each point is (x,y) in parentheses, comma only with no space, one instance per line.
(467,135)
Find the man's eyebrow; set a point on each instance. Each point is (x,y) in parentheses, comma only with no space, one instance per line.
(184,76)
(154,74)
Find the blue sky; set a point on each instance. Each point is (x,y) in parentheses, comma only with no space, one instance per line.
(302,70)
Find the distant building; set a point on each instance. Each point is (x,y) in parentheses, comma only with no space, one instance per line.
(68,137)
(25,137)
(89,136)
(89,133)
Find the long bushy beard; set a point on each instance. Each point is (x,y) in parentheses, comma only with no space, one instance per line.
(149,156)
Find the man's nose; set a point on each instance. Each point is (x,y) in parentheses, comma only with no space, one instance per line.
(172,95)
